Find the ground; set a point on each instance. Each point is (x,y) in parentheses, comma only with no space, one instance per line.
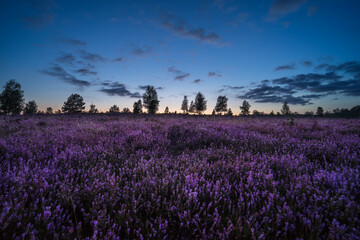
(179,177)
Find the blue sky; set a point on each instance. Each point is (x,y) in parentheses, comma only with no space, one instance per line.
(305,52)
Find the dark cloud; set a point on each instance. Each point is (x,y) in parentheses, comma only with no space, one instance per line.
(233,87)
(326,59)
(179,26)
(59,72)
(143,87)
(179,75)
(92,57)
(66,58)
(118,89)
(197,80)
(307,63)
(285,67)
(321,66)
(138,51)
(71,41)
(281,8)
(85,71)
(214,74)
(40,13)
(119,59)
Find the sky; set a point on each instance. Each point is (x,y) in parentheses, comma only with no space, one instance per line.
(304,52)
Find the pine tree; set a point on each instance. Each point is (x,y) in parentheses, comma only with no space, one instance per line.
(221,104)
(12,98)
(245,108)
(74,104)
(31,108)
(200,103)
(185,105)
(150,99)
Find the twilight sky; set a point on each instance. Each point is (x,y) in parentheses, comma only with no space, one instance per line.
(305,52)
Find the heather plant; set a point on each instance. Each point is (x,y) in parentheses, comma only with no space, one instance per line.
(117,177)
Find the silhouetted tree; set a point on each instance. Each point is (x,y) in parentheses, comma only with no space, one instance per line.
(166,110)
(126,110)
(213,112)
(320,112)
(93,109)
(58,111)
(221,104)
(200,103)
(229,112)
(185,105)
(114,108)
(49,110)
(192,107)
(245,108)
(74,104)
(309,113)
(12,98)
(150,99)
(285,110)
(355,111)
(258,113)
(31,107)
(271,113)
(137,107)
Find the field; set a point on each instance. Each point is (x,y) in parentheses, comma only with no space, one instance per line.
(179,177)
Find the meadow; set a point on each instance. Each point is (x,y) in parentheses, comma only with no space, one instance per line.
(127,176)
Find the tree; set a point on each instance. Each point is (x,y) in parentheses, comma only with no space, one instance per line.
(114,108)
(285,110)
(185,105)
(229,112)
(150,99)
(245,108)
(49,110)
(320,112)
(200,103)
(126,110)
(192,107)
(12,98)
(213,112)
(58,111)
(31,108)
(309,113)
(74,104)
(93,109)
(137,107)
(221,104)
(166,110)
(271,113)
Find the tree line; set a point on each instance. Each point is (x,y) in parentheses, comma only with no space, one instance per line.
(12,102)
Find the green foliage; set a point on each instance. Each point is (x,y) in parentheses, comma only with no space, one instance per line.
(12,98)
(137,108)
(245,108)
(200,103)
(150,99)
(74,104)
(221,104)
(31,108)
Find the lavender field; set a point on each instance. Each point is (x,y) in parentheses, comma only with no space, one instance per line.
(178,177)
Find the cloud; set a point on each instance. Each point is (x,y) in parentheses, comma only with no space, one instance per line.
(41,13)
(59,72)
(285,67)
(66,58)
(179,75)
(214,74)
(140,52)
(179,27)
(92,57)
(312,10)
(85,71)
(119,59)
(306,63)
(71,41)
(233,87)
(118,89)
(143,87)
(281,8)
(196,80)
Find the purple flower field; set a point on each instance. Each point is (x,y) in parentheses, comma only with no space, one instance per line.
(178,177)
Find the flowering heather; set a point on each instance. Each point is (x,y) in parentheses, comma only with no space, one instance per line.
(178,177)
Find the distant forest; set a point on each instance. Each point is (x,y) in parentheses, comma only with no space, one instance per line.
(12,102)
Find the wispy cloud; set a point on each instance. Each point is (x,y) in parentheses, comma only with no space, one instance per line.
(141,51)
(196,80)
(179,27)
(119,59)
(118,89)
(72,41)
(92,57)
(40,13)
(60,73)
(143,87)
(285,67)
(214,74)
(281,8)
(179,75)
(66,58)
